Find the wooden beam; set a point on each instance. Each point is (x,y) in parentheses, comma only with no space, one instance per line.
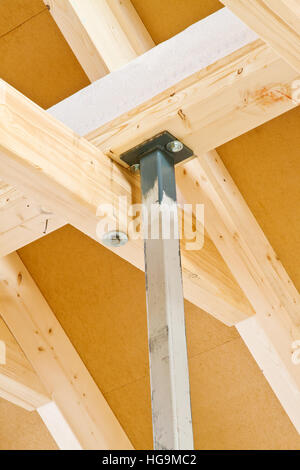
(55,360)
(19,383)
(251,259)
(103,34)
(276,21)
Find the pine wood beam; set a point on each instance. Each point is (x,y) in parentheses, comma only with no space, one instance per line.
(56,362)
(103,34)
(276,21)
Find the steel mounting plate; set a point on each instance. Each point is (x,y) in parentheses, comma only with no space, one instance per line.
(158,142)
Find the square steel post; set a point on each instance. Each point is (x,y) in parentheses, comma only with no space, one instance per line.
(170,390)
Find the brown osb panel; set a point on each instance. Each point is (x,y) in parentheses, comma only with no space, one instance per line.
(37,61)
(15,12)
(265,164)
(165,18)
(22,430)
(99,300)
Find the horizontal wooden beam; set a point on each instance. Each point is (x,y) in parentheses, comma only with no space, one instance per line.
(220,103)
(55,360)
(19,383)
(251,259)
(276,21)
(103,34)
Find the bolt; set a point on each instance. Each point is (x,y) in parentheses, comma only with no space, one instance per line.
(135,168)
(174,146)
(114,239)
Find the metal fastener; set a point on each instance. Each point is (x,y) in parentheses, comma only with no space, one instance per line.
(135,168)
(114,239)
(175,146)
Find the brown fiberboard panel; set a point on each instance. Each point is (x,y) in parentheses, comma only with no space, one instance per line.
(165,18)
(36,60)
(265,164)
(14,13)
(22,430)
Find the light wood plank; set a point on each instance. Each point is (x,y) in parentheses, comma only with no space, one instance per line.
(55,360)
(276,21)
(103,34)
(19,383)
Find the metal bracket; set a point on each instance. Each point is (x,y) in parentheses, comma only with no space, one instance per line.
(158,142)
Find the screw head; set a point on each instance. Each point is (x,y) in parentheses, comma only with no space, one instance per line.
(114,239)
(135,168)
(174,146)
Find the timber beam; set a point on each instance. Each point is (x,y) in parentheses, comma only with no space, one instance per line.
(276,21)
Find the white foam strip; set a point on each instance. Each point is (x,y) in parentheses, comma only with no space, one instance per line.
(200,45)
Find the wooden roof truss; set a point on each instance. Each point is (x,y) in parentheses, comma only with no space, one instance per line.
(206,86)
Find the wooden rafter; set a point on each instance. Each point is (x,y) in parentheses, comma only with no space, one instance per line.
(103,34)
(276,21)
(56,362)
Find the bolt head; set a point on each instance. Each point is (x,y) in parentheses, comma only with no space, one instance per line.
(135,168)
(114,239)
(175,146)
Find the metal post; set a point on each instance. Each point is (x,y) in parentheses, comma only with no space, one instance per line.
(170,391)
